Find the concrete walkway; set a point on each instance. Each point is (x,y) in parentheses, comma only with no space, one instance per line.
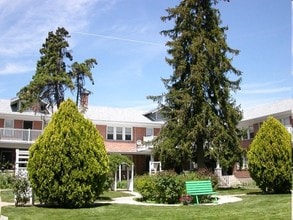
(132,200)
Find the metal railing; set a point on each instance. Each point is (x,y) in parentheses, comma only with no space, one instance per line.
(14,134)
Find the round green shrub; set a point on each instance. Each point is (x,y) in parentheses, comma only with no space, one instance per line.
(145,185)
(68,163)
(270,156)
(167,187)
(6,180)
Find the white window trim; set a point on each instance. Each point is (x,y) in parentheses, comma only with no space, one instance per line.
(123,133)
(150,129)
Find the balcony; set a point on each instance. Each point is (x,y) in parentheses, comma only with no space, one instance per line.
(146,143)
(19,135)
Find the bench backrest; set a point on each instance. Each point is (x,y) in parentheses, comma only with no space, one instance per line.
(198,186)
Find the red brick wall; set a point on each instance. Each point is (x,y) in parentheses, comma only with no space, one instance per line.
(18,124)
(102,129)
(242,174)
(138,133)
(37,125)
(157,131)
(245,143)
(1,123)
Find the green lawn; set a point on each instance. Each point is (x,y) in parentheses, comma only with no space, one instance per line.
(253,206)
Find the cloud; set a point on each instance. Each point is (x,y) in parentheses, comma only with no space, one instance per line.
(270,87)
(268,91)
(11,68)
(26,23)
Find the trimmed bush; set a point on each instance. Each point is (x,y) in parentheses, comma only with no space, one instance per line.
(145,185)
(169,187)
(6,180)
(68,163)
(270,157)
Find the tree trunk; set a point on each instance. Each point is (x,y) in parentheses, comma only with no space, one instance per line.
(200,157)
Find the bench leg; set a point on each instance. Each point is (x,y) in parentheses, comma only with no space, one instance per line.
(197,200)
(216,199)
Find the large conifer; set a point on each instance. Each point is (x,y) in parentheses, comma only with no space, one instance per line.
(201,115)
(68,163)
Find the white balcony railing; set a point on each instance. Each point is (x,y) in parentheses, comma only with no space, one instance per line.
(13,134)
(146,143)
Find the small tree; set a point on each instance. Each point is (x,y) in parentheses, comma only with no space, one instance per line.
(270,157)
(21,189)
(79,72)
(68,164)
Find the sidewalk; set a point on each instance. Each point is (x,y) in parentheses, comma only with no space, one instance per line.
(132,200)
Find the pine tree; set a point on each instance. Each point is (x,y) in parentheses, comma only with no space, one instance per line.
(68,163)
(270,157)
(79,72)
(51,78)
(201,115)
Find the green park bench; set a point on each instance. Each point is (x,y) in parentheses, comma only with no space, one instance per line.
(199,187)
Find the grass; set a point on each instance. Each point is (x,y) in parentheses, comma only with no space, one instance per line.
(7,195)
(235,191)
(253,206)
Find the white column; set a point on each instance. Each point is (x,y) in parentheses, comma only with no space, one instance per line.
(120,172)
(115,181)
(132,178)
(218,170)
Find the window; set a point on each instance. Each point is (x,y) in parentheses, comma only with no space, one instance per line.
(250,132)
(128,134)
(110,133)
(285,121)
(119,133)
(149,132)
(8,125)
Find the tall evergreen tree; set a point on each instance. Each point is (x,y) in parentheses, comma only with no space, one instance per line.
(51,77)
(79,72)
(201,115)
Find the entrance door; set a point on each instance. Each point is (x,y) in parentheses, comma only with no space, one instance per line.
(26,134)
(6,159)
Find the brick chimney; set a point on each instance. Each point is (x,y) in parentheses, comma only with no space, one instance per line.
(84,99)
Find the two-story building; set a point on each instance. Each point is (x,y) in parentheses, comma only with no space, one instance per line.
(126,131)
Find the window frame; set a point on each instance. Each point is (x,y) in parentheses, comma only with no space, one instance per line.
(119,133)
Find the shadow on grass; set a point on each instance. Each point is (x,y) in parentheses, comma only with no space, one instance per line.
(267,193)
(94,205)
(104,198)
